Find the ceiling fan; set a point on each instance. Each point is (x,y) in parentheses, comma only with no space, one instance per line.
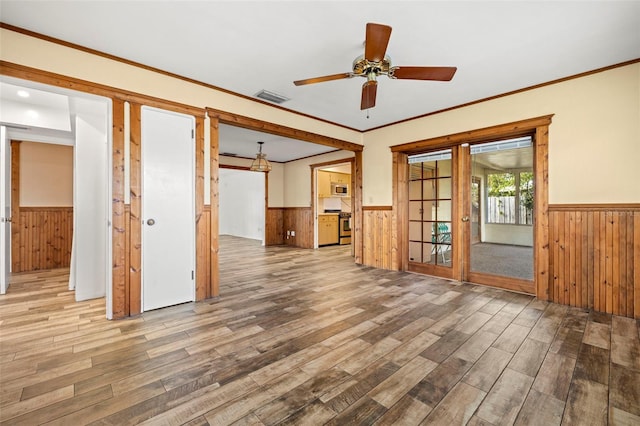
(376,62)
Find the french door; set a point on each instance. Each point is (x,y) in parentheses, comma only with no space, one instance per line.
(431,186)
(470,213)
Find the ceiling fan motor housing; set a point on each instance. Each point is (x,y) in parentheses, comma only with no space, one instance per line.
(365,68)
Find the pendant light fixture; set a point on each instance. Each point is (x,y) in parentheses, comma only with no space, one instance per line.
(260,164)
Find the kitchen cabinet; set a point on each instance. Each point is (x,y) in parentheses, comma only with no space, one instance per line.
(327,229)
(325,179)
(340,178)
(324,184)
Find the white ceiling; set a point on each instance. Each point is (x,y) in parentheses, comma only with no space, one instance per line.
(38,115)
(241,46)
(244,143)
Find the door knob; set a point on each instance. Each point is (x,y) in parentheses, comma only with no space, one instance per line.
(151,222)
(465,218)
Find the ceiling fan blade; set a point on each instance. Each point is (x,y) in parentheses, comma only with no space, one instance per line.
(369,89)
(375,45)
(323,78)
(425,73)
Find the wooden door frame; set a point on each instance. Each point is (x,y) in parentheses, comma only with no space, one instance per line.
(313,168)
(480,205)
(538,128)
(217,116)
(437,268)
(266,191)
(125,284)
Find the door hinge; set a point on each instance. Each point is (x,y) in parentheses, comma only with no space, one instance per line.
(192,134)
(192,274)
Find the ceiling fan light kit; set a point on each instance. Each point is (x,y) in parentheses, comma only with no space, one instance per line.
(375,62)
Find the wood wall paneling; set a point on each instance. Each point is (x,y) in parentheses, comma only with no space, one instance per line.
(202,225)
(15,205)
(135,225)
(300,220)
(356,214)
(274,229)
(400,217)
(594,260)
(214,227)
(636,265)
(127,262)
(377,225)
(120,217)
(44,238)
(541,274)
(203,266)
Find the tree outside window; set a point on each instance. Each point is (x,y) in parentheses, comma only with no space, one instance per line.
(510,198)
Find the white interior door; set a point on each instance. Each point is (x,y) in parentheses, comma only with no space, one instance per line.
(90,254)
(168,208)
(5,210)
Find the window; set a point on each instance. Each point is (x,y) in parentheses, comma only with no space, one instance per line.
(510,197)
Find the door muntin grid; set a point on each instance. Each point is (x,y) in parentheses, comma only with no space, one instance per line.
(430,204)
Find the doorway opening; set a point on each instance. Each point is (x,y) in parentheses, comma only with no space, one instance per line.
(498,240)
(34,112)
(333,201)
(242,195)
(502,209)
(473,206)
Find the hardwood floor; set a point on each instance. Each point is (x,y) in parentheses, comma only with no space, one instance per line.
(307,337)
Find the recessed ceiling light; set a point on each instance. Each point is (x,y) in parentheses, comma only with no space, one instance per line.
(23,93)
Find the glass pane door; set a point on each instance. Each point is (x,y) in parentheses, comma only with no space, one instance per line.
(501,201)
(430,203)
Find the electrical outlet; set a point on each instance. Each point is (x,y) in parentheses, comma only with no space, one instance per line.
(293,233)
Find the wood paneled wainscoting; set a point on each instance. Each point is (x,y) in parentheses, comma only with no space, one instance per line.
(42,238)
(594,258)
(279,220)
(376,249)
(300,220)
(274,229)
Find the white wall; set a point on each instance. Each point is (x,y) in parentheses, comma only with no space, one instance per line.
(595,126)
(242,203)
(297,177)
(275,178)
(520,235)
(46,175)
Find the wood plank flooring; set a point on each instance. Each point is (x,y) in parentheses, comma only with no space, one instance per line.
(307,337)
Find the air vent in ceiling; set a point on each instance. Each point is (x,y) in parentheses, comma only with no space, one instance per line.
(271,97)
(229,154)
